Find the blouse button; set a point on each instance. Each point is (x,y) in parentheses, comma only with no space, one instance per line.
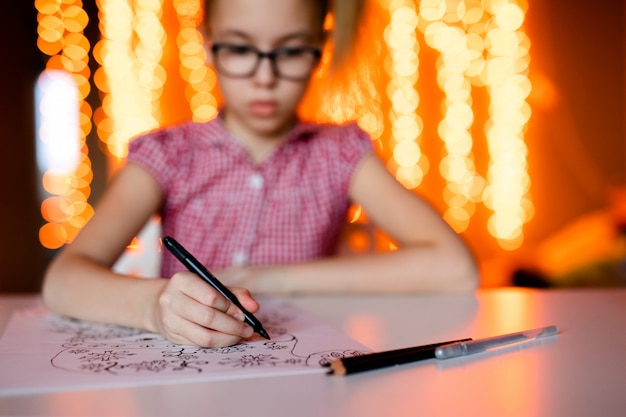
(256,181)
(240,258)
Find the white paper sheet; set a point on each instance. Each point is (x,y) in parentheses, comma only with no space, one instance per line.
(42,352)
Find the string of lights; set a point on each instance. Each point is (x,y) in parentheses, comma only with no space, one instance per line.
(482,45)
(131,77)
(199,77)
(62,130)
(408,162)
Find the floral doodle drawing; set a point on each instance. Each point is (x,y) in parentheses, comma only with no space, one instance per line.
(102,349)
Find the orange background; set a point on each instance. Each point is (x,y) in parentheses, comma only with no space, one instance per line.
(575,140)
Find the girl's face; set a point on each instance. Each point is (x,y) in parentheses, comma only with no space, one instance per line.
(262,104)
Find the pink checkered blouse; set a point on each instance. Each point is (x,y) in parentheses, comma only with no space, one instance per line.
(226,210)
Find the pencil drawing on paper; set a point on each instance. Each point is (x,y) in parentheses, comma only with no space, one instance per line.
(102,349)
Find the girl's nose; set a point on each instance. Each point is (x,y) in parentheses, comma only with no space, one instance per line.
(265,73)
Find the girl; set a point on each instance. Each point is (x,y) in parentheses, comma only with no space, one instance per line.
(255,195)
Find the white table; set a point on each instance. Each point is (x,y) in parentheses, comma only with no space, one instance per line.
(581,372)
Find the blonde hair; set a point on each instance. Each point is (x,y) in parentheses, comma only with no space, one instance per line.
(340,17)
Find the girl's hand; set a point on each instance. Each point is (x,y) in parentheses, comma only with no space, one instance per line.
(189,311)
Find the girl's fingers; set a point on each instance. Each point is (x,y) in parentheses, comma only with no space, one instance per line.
(184,320)
(194,287)
(193,311)
(189,333)
(215,319)
(246,299)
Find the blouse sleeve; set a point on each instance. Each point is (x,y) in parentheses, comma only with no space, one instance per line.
(354,145)
(159,152)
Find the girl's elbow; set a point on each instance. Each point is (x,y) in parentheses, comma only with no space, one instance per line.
(456,268)
(47,287)
(465,274)
(468,282)
(50,288)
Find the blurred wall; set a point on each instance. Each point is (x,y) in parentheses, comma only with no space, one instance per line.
(576,136)
(22,259)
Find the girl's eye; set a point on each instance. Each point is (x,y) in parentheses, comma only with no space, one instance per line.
(291,52)
(239,49)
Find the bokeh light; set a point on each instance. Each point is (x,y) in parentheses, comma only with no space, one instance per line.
(481,48)
(131,77)
(482,44)
(63,120)
(198,76)
(408,163)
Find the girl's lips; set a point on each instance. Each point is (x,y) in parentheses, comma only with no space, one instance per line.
(263,107)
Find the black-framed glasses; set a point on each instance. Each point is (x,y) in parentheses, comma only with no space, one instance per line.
(241,61)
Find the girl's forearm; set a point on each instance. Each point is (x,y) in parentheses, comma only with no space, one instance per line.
(411,269)
(80,288)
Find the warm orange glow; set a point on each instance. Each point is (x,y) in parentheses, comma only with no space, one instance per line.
(47,7)
(359,241)
(355,214)
(52,235)
(479,46)
(367,329)
(517,312)
(53,209)
(134,244)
